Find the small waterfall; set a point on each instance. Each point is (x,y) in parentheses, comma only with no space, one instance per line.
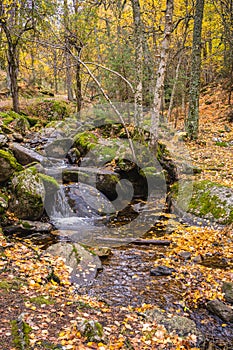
(61,207)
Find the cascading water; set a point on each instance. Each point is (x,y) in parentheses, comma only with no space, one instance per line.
(78,210)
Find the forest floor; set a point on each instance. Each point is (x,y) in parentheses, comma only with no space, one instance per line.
(53,310)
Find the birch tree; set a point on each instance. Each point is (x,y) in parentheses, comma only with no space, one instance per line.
(161,71)
(192,123)
(138,38)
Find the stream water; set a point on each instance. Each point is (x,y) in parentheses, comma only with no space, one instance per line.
(80,213)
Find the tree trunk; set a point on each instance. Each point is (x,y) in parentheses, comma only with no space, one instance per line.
(55,71)
(174,89)
(78,87)
(13,67)
(192,123)
(138,37)
(70,95)
(159,87)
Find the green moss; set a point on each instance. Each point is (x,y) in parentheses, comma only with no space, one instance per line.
(86,140)
(10,284)
(20,332)
(205,203)
(27,201)
(25,224)
(92,330)
(11,160)
(50,184)
(221,144)
(162,151)
(50,109)
(41,300)
(76,254)
(5,285)
(32,120)
(8,117)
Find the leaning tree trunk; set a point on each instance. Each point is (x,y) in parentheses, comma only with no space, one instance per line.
(13,68)
(192,123)
(159,87)
(138,37)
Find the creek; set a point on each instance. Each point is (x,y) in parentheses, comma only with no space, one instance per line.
(89,210)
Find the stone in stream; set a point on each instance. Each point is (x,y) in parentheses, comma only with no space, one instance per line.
(162,271)
(59,148)
(217,307)
(84,264)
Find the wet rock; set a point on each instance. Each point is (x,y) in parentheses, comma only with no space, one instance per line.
(58,148)
(104,180)
(8,165)
(27,195)
(183,326)
(90,329)
(162,271)
(220,309)
(24,155)
(84,264)
(227,289)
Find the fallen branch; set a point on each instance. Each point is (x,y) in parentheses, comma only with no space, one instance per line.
(138,241)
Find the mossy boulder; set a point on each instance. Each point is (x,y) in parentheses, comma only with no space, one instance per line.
(90,329)
(8,165)
(85,141)
(27,195)
(21,125)
(50,109)
(209,200)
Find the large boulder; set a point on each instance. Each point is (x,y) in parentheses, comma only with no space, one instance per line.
(27,195)
(84,265)
(217,307)
(24,155)
(8,165)
(209,200)
(181,325)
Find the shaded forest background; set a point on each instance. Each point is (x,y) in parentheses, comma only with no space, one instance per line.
(83,49)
